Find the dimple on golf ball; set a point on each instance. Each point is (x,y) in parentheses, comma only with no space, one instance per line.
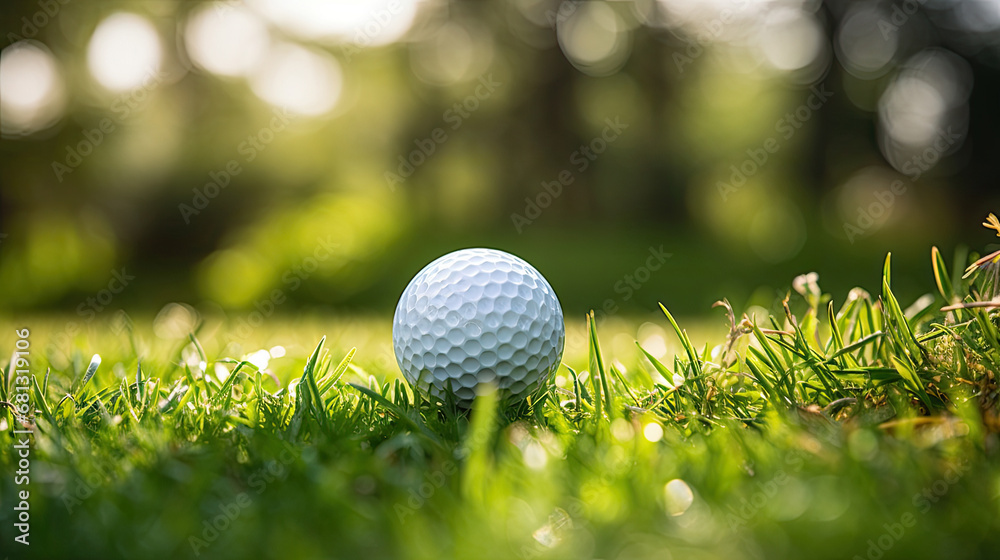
(478,316)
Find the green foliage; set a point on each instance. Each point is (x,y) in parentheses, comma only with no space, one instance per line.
(814,434)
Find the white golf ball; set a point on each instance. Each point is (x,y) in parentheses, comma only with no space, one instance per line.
(478,316)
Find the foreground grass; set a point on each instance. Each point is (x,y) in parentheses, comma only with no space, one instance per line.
(858,430)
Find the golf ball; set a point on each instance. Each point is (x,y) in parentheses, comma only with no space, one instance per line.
(478,316)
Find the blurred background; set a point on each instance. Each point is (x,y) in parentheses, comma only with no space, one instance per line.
(283,155)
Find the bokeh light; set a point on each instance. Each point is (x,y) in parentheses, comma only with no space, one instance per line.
(923,113)
(476,109)
(175,321)
(981,16)
(124,52)
(304,81)
(866,201)
(594,39)
(862,47)
(653,432)
(912,110)
(714,21)
(366,23)
(32,93)
(791,39)
(226,40)
(453,53)
(678,497)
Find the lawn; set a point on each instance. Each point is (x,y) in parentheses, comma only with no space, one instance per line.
(846,426)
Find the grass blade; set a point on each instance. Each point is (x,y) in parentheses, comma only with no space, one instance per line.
(689,349)
(902,334)
(95,362)
(941,278)
(398,413)
(599,377)
(41,402)
(337,373)
(911,379)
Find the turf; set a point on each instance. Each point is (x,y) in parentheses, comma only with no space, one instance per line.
(847,429)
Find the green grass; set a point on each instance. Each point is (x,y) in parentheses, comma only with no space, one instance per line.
(838,429)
